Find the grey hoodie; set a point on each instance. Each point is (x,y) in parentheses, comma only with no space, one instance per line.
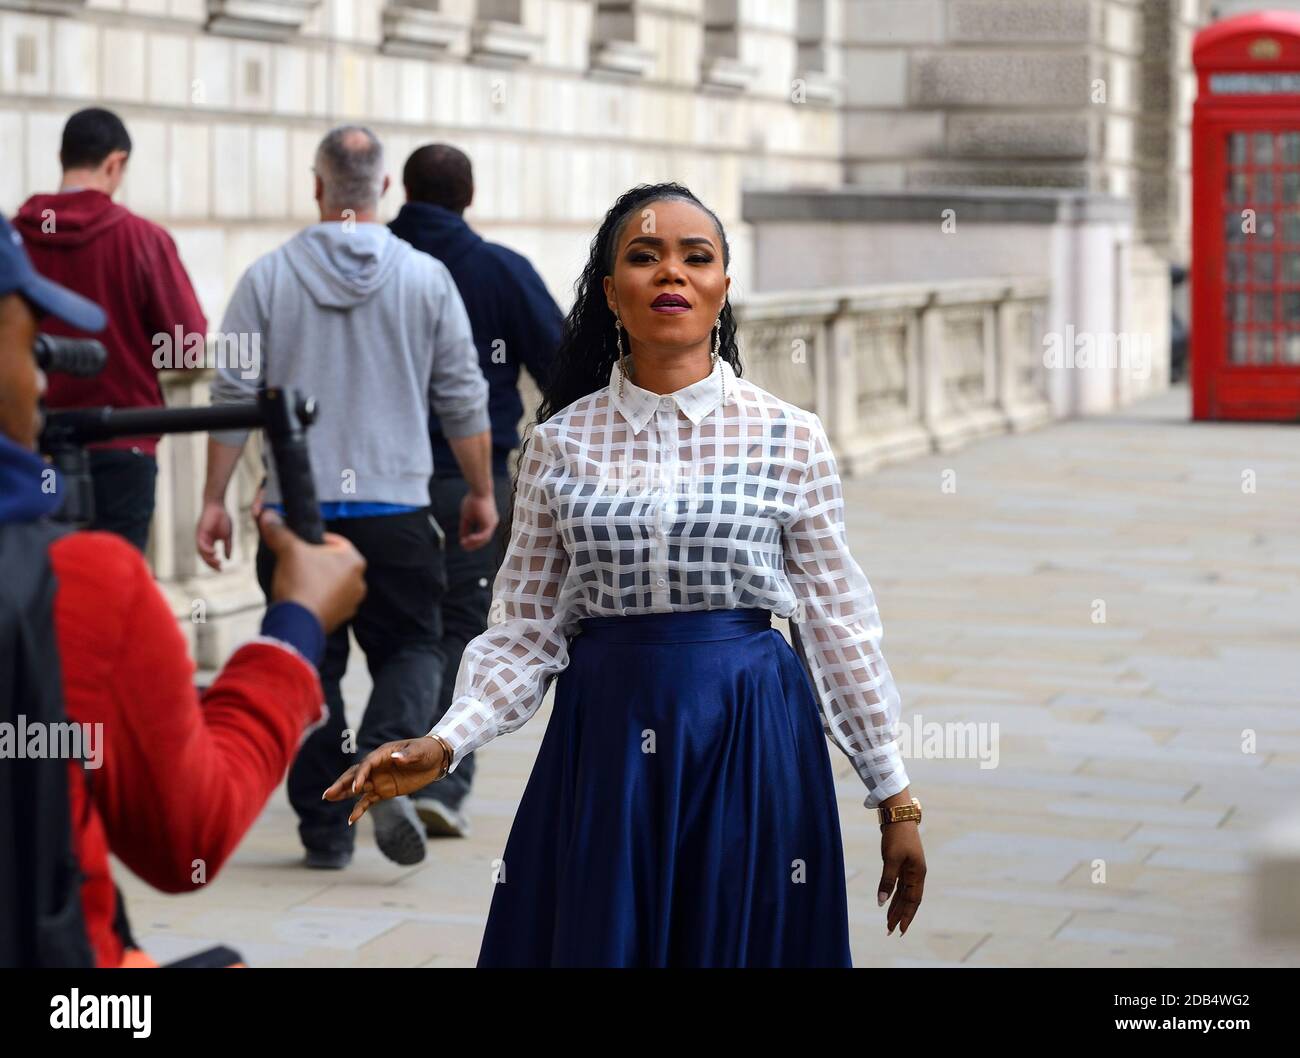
(376,332)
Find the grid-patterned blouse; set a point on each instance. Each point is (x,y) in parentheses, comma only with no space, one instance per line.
(649,503)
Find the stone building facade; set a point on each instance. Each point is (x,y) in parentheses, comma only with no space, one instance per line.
(564,103)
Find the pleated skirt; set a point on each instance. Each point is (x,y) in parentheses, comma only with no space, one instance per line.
(681,810)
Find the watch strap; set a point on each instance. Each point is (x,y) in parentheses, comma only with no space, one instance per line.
(900,813)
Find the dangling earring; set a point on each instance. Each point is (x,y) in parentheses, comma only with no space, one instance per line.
(717,347)
(618,338)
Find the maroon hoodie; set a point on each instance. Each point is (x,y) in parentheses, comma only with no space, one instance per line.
(130,267)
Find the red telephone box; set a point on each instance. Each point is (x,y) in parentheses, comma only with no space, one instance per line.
(1245,274)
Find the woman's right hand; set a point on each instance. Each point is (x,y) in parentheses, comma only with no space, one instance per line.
(394,769)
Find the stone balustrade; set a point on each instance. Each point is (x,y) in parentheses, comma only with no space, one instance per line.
(896,370)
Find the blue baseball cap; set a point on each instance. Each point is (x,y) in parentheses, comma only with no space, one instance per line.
(17,276)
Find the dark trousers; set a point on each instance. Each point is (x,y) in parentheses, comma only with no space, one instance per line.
(123,481)
(398,627)
(464,609)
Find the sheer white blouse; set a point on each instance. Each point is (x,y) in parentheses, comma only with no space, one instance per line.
(643,503)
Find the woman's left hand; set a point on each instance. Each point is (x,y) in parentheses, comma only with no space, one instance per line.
(904,872)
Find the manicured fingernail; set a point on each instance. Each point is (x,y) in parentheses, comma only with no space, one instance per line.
(881,897)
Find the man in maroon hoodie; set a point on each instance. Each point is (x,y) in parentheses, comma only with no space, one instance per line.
(80,238)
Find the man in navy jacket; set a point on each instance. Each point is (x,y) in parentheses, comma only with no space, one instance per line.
(516,324)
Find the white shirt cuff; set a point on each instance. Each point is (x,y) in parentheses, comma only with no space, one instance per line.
(882,772)
(466,726)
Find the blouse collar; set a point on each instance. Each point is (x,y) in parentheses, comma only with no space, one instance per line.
(697,400)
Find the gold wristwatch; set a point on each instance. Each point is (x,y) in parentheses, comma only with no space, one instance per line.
(900,812)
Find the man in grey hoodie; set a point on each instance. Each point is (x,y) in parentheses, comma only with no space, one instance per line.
(377,332)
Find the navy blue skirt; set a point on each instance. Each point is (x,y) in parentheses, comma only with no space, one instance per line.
(681,811)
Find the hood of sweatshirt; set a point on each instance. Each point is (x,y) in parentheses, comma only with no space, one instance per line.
(344,265)
(68,219)
(22,499)
(435,230)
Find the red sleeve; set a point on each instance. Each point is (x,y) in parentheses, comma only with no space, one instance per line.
(182,780)
(169,297)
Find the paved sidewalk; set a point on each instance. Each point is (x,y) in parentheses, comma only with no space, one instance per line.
(1117,825)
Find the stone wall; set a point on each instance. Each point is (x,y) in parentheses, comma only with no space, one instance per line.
(1220,9)
(1093,95)
(565,103)
(1107,290)
(562,104)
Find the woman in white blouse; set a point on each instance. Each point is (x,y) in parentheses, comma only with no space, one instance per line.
(681,810)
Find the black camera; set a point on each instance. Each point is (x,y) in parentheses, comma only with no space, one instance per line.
(281,413)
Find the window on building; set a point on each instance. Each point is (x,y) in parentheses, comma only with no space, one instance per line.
(265,20)
(817,77)
(421,28)
(502,35)
(721,66)
(615,47)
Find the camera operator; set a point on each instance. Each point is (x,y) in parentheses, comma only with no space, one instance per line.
(179,779)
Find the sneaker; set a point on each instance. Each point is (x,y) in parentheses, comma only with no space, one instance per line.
(327,859)
(441,820)
(398,832)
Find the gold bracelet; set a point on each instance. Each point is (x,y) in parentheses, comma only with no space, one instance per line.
(446,757)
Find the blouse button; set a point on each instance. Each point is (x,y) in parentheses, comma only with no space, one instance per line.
(661,582)
(666,403)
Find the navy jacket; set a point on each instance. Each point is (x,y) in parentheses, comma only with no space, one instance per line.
(516,322)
